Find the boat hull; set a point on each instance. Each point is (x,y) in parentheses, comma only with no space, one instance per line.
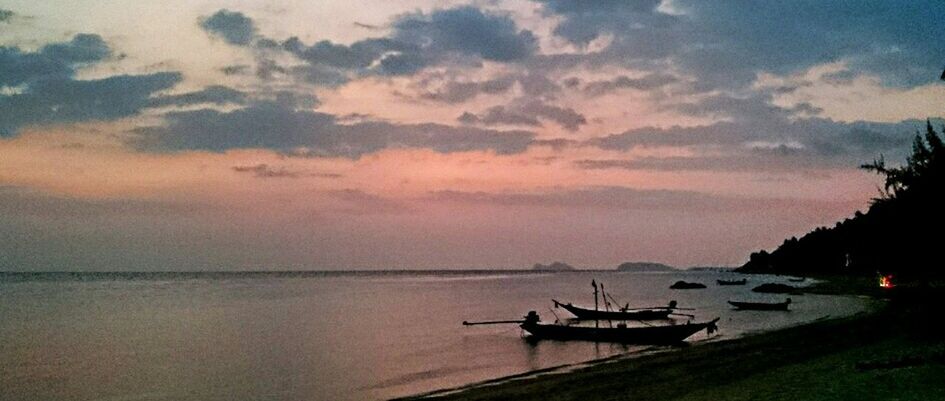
(590,314)
(650,335)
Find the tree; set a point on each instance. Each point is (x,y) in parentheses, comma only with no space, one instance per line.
(922,168)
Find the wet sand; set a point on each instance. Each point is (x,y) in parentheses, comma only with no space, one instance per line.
(892,352)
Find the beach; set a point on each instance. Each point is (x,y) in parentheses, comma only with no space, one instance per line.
(886,353)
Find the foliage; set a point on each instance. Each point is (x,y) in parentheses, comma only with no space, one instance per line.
(898,234)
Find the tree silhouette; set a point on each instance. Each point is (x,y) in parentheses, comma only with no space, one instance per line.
(896,235)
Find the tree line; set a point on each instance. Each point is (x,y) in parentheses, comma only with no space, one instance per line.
(899,234)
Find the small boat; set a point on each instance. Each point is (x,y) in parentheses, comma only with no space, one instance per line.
(648,335)
(761,305)
(682,285)
(621,314)
(732,282)
(667,334)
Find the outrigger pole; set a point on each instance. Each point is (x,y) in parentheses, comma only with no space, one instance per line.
(465,323)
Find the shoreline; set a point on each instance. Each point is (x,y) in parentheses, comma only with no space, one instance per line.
(765,365)
(652,351)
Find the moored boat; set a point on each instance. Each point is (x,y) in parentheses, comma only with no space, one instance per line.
(665,334)
(621,314)
(761,305)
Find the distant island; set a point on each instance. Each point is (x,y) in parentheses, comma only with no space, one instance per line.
(553,267)
(644,267)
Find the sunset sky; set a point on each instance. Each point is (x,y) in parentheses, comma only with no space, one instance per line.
(263,135)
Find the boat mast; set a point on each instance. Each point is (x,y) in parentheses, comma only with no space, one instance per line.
(594,284)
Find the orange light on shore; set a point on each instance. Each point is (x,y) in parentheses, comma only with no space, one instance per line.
(886,281)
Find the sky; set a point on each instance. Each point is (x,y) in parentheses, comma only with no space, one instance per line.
(424,134)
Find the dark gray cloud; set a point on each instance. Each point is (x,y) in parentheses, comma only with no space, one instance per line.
(623,198)
(538,85)
(563,116)
(648,82)
(572,82)
(6,15)
(499,115)
(780,159)
(83,48)
(558,144)
(267,69)
(755,135)
(839,78)
(214,94)
(266,171)
(457,92)
(723,133)
(62,100)
(807,109)
(764,146)
(725,43)
(236,69)
(49,94)
(278,126)
(466,30)
(366,26)
(526,113)
(416,40)
(53,60)
(233,26)
(359,55)
(332,64)
(754,107)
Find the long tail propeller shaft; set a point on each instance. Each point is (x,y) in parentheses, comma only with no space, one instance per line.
(465,323)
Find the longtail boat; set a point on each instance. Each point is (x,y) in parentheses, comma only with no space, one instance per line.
(647,335)
(621,314)
(761,305)
(732,282)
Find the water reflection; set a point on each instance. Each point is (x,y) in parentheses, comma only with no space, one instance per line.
(311,336)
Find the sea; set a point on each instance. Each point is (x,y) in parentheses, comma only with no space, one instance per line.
(329,336)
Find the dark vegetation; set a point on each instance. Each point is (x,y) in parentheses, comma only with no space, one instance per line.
(899,234)
(883,355)
(774,288)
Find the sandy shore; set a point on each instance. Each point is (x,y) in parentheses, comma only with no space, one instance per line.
(891,353)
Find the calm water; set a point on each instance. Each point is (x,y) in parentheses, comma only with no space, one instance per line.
(317,336)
